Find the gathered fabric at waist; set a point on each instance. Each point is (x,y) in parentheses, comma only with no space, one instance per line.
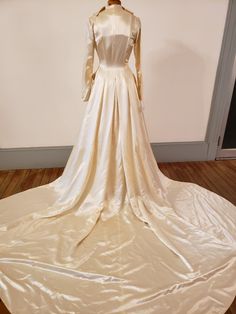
(108,73)
(112,66)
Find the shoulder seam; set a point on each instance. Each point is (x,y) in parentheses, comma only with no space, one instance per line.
(128,10)
(103,8)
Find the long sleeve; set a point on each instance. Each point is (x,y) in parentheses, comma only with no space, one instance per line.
(87,72)
(137,55)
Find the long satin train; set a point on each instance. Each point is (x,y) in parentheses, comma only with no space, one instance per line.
(113,223)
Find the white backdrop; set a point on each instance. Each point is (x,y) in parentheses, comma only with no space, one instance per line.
(41,58)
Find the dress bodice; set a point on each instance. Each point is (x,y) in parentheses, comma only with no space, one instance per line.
(113,33)
(115,30)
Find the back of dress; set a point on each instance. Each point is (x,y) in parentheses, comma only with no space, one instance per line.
(113,33)
(113,234)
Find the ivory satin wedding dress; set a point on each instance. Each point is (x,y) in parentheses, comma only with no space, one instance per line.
(113,234)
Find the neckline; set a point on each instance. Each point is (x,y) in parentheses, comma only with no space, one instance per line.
(114,5)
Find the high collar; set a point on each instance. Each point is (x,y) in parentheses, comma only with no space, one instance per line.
(114,5)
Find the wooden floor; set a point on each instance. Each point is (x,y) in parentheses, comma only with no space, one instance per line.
(217,176)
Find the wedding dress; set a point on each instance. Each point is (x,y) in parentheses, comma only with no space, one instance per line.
(113,234)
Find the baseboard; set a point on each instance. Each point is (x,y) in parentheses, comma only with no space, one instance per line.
(57,156)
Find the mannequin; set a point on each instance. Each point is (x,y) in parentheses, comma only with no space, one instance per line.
(110,2)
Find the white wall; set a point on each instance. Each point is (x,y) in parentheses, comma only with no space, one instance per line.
(41,58)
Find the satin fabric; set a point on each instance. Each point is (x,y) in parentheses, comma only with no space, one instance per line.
(113,234)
